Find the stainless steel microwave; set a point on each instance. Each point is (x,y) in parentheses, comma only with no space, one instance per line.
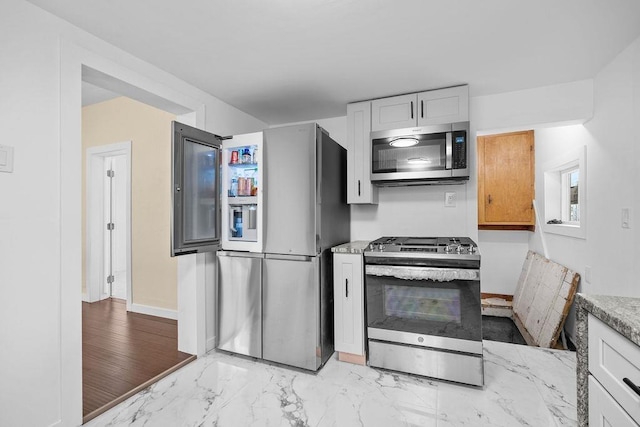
(423,155)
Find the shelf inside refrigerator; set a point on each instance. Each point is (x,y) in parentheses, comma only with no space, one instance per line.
(244,165)
(243,200)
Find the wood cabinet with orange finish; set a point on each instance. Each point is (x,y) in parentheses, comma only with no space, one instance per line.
(506,174)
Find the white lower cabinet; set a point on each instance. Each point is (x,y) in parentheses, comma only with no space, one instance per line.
(614,377)
(348,296)
(604,411)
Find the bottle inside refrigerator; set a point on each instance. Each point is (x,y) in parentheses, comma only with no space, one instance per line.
(242,171)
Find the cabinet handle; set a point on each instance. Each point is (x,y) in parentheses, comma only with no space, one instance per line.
(412,109)
(490,199)
(358,187)
(422,109)
(632,386)
(346,287)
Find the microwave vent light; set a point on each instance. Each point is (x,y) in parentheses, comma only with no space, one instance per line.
(403,142)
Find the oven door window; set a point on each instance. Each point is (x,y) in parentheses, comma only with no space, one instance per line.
(448,309)
(428,153)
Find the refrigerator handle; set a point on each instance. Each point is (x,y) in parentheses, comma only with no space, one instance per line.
(231,227)
(289,257)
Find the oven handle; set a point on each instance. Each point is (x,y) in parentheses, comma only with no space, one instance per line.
(422,273)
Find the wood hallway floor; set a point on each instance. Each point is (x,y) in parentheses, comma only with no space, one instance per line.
(123,353)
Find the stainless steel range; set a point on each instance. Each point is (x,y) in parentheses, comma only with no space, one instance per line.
(423,307)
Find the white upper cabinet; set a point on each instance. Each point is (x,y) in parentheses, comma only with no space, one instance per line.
(396,112)
(432,107)
(442,106)
(359,187)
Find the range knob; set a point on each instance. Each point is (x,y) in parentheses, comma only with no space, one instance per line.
(380,247)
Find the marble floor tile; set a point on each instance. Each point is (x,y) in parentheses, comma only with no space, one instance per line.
(524,386)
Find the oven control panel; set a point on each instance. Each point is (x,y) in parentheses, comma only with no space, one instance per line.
(424,246)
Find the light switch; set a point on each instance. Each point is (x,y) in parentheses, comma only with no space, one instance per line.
(6,158)
(626,220)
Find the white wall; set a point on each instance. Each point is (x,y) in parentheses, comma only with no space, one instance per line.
(551,144)
(503,252)
(613,178)
(40,218)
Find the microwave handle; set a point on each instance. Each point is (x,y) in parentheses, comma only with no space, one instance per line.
(449,151)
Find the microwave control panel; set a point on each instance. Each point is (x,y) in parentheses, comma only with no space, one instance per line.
(459,160)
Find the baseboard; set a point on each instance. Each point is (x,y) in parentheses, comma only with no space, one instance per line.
(85,297)
(356,359)
(154,311)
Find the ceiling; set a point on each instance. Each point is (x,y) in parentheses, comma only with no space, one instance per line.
(284,61)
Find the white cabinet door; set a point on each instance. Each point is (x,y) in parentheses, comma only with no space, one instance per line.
(604,411)
(615,362)
(348,303)
(359,187)
(443,106)
(396,112)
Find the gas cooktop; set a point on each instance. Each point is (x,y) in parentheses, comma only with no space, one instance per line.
(423,247)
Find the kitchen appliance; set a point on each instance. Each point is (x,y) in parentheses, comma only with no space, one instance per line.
(306,213)
(283,197)
(418,156)
(423,307)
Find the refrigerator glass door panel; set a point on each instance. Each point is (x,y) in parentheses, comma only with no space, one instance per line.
(195,190)
(290,312)
(240,303)
(290,186)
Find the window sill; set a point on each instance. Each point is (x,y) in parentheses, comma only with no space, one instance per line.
(569,230)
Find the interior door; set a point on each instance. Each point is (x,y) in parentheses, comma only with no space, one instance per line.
(196,190)
(116,255)
(506,180)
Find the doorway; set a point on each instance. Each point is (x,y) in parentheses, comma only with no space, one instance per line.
(127,346)
(78,64)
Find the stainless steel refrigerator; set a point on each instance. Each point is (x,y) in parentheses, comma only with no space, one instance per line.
(275,295)
(306,213)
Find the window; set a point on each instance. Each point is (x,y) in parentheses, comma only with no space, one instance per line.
(570,196)
(565,195)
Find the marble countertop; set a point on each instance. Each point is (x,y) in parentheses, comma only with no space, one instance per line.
(620,313)
(356,247)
